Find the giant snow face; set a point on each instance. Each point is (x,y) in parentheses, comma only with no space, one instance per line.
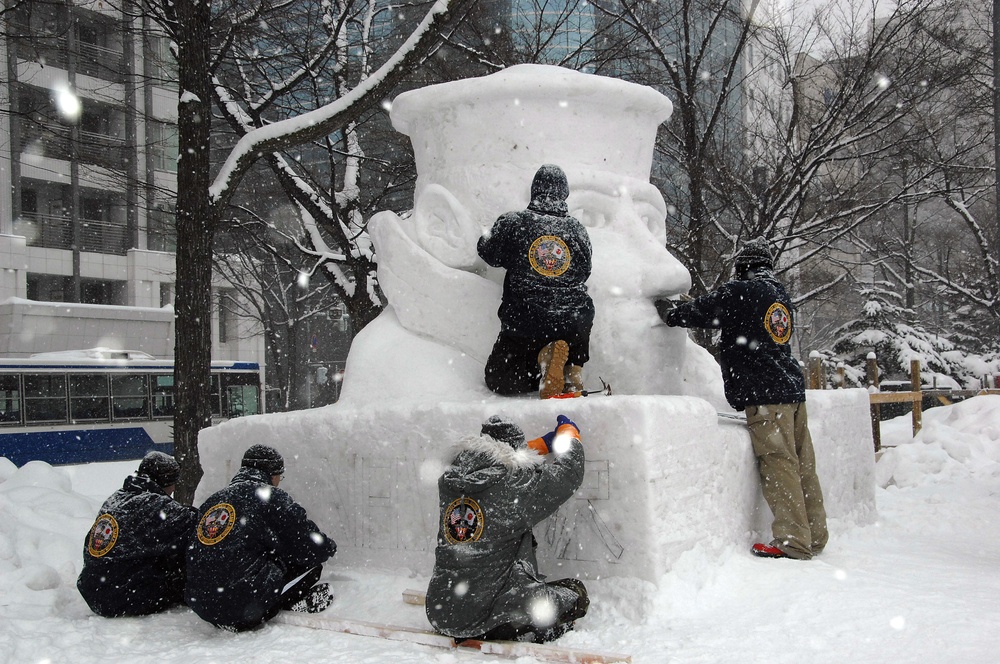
(477,145)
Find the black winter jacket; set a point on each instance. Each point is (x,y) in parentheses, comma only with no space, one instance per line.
(133,556)
(547,255)
(756,319)
(249,538)
(485,570)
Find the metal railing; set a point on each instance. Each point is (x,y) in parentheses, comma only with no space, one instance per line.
(101,149)
(101,62)
(51,231)
(46,139)
(53,51)
(53,140)
(56,232)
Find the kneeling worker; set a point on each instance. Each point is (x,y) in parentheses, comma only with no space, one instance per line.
(133,557)
(486,583)
(255,551)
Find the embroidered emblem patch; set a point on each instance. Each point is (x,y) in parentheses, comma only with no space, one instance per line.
(103,535)
(463,521)
(549,256)
(778,323)
(216,523)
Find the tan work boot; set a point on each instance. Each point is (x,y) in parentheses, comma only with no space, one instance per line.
(574,379)
(552,361)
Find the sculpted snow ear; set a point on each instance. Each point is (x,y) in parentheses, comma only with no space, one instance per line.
(445,229)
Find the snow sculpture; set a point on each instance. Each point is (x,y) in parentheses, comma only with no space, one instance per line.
(663,476)
(477,144)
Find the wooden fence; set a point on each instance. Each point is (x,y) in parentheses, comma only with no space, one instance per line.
(915,396)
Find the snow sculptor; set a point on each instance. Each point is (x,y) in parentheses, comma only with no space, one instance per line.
(254,551)
(133,557)
(477,145)
(756,317)
(486,583)
(546,313)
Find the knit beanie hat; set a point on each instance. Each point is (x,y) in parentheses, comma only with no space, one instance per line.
(161,468)
(263,457)
(755,253)
(503,431)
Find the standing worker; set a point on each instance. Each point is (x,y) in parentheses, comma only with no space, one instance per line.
(761,377)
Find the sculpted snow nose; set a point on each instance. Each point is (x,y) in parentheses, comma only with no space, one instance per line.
(630,259)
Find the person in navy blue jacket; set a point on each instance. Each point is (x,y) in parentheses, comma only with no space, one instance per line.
(546,313)
(133,556)
(756,317)
(254,551)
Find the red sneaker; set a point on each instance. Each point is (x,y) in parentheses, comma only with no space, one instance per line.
(767,551)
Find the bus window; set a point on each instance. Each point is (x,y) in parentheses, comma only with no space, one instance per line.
(242,393)
(88,397)
(130,397)
(216,401)
(163,395)
(242,400)
(10,399)
(44,397)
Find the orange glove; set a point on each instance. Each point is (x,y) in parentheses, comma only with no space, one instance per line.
(564,426)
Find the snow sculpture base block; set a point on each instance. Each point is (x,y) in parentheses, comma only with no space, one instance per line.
(664,474)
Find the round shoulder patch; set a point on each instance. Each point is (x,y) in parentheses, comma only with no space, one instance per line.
(549,256)
(463,521)
(216,523)
(103,536)
(778,323)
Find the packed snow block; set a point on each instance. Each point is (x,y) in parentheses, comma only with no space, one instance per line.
(664,475)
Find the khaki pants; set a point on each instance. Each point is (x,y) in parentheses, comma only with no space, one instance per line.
(787,464)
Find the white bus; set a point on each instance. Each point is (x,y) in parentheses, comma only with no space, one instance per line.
(105,405)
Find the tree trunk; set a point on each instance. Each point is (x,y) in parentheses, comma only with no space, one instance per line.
(195,227)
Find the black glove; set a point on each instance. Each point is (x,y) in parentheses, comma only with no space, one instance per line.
(665,309)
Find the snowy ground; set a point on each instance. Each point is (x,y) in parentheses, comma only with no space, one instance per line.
(918,585)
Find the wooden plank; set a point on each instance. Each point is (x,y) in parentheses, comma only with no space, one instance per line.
(509,649)
(894,397)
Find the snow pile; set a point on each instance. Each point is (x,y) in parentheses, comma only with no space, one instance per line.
(955,444)
(917,585)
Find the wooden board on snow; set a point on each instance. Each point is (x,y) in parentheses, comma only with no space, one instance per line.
(509,649)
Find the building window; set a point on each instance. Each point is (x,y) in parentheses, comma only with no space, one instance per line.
(227,317)
(166,294)
(163,145)
(49,288)
(101,291)
(161,229)
(160,63)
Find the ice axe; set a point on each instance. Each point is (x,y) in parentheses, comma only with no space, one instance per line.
(605,390)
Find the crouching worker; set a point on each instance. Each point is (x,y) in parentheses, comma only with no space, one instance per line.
(486,583)
(133,557)
(255,552)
